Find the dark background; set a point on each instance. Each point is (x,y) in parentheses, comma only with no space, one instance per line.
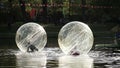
(101,16)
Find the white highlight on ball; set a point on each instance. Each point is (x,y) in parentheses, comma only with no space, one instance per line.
(31,34)
(75,37)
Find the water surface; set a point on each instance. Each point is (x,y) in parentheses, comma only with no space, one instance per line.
(50,58)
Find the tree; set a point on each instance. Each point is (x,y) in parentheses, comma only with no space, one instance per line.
(108,8)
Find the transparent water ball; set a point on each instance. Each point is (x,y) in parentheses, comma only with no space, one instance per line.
(31,34)
(75,37)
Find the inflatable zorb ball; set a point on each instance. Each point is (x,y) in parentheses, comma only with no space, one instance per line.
(75,37)
(31,34)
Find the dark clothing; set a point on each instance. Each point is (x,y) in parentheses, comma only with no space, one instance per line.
(117,38)
(76,54)
(31,48)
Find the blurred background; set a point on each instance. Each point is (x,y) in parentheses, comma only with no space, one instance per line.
(102,16)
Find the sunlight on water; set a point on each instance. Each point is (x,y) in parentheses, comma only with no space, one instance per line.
(31,60)
(82,61)
(55,58)
(45,59)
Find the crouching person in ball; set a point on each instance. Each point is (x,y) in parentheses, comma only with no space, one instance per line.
(31,48)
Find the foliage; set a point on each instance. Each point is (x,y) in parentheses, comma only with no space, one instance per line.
(71,7)
(110,9)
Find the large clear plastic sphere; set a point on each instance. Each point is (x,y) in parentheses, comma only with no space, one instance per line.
(31,34)
(75,37)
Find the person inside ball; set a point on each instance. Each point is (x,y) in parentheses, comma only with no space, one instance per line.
(74,52)
(31,48)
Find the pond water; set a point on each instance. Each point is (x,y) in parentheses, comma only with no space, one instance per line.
(103,57)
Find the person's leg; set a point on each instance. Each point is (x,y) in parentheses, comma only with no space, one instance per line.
(32,50)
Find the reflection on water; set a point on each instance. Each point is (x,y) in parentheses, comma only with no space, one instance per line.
(54,58)
(29,60)
(83,61)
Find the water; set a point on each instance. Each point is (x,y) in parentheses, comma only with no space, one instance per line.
(51,58)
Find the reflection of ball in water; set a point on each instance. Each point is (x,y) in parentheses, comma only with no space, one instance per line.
(75,37)
(31,34)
